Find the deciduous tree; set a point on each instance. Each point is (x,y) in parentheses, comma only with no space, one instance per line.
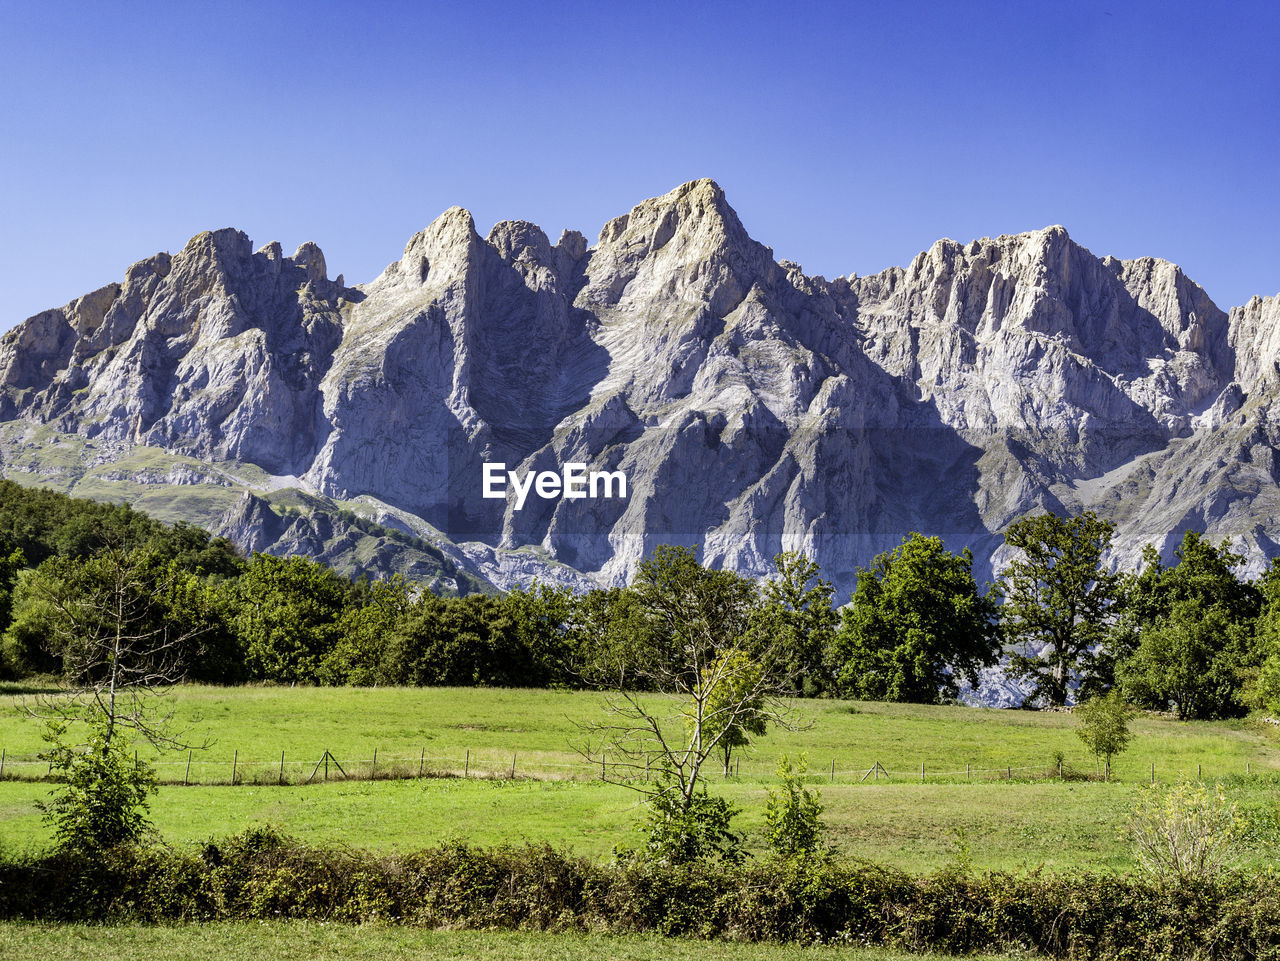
(1058,597)
(1104,726)
(1188,660)
(797,607)
(699,673)
(916,625)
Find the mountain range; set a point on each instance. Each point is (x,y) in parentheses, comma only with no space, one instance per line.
(752,408)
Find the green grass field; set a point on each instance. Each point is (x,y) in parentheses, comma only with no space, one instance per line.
(321,942)
(1029,821)
(251,726)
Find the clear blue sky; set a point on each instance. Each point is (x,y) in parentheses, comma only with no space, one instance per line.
(848,136)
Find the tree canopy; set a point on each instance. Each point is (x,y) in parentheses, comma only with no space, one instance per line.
(917,624)
(1058,597)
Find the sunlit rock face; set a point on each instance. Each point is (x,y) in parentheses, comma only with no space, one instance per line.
(752,408)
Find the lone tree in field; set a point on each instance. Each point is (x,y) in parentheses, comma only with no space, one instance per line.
(1057,599)
(122,625)
(1104,726)
(696,681)
(727,684)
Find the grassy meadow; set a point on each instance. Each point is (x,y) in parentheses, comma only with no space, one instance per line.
(307,941)
(1028,820)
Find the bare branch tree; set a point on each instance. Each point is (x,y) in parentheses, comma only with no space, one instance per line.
(704,669)
(118,626)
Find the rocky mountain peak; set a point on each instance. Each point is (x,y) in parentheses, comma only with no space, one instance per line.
(512,238)
(446,245)
(309,257)
(752,408)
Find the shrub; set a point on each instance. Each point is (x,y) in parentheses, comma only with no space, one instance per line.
(1185,833)
(102,800)
(793,815)
(680,832)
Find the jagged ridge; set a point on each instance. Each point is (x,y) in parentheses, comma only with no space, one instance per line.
(754,408)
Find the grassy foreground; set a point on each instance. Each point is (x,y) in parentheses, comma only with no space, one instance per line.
(1025,822)
(911,827)
(320,942)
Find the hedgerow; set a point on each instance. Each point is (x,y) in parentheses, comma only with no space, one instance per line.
(268,876)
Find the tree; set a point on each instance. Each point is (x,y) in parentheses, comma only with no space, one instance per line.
(111,622)
(1203,574)
(457,641)
(1185,634)
(286,614)
(1207,574)
(1057,600)
(359,655)
(730,684)
(915,626)
(1263,689)
(548,624)
(1189,660)
(26,647)
(709,672)
(11,564)
(803,618)
(1104,726)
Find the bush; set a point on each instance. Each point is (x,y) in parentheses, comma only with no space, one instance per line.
(102,800)
(679,831)
(1185,833)
(793,815)
(263,875)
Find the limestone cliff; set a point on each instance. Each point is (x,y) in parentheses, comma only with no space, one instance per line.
(753,408)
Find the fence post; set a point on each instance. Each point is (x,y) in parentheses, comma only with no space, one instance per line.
(466,765)
(602,754)
(326,764)
(373,768)
(1153,772)
(187,774)
(1198,775)
(922,772)
(1248,767)
(833,770)
(421,757)
(1008,773)
(280,779)
(2,756)
(513,764)
(967,775)
(1059,767)
(235,762)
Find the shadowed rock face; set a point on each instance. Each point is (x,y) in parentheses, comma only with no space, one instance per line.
(752,408)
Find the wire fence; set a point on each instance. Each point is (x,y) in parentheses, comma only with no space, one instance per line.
(233,768)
